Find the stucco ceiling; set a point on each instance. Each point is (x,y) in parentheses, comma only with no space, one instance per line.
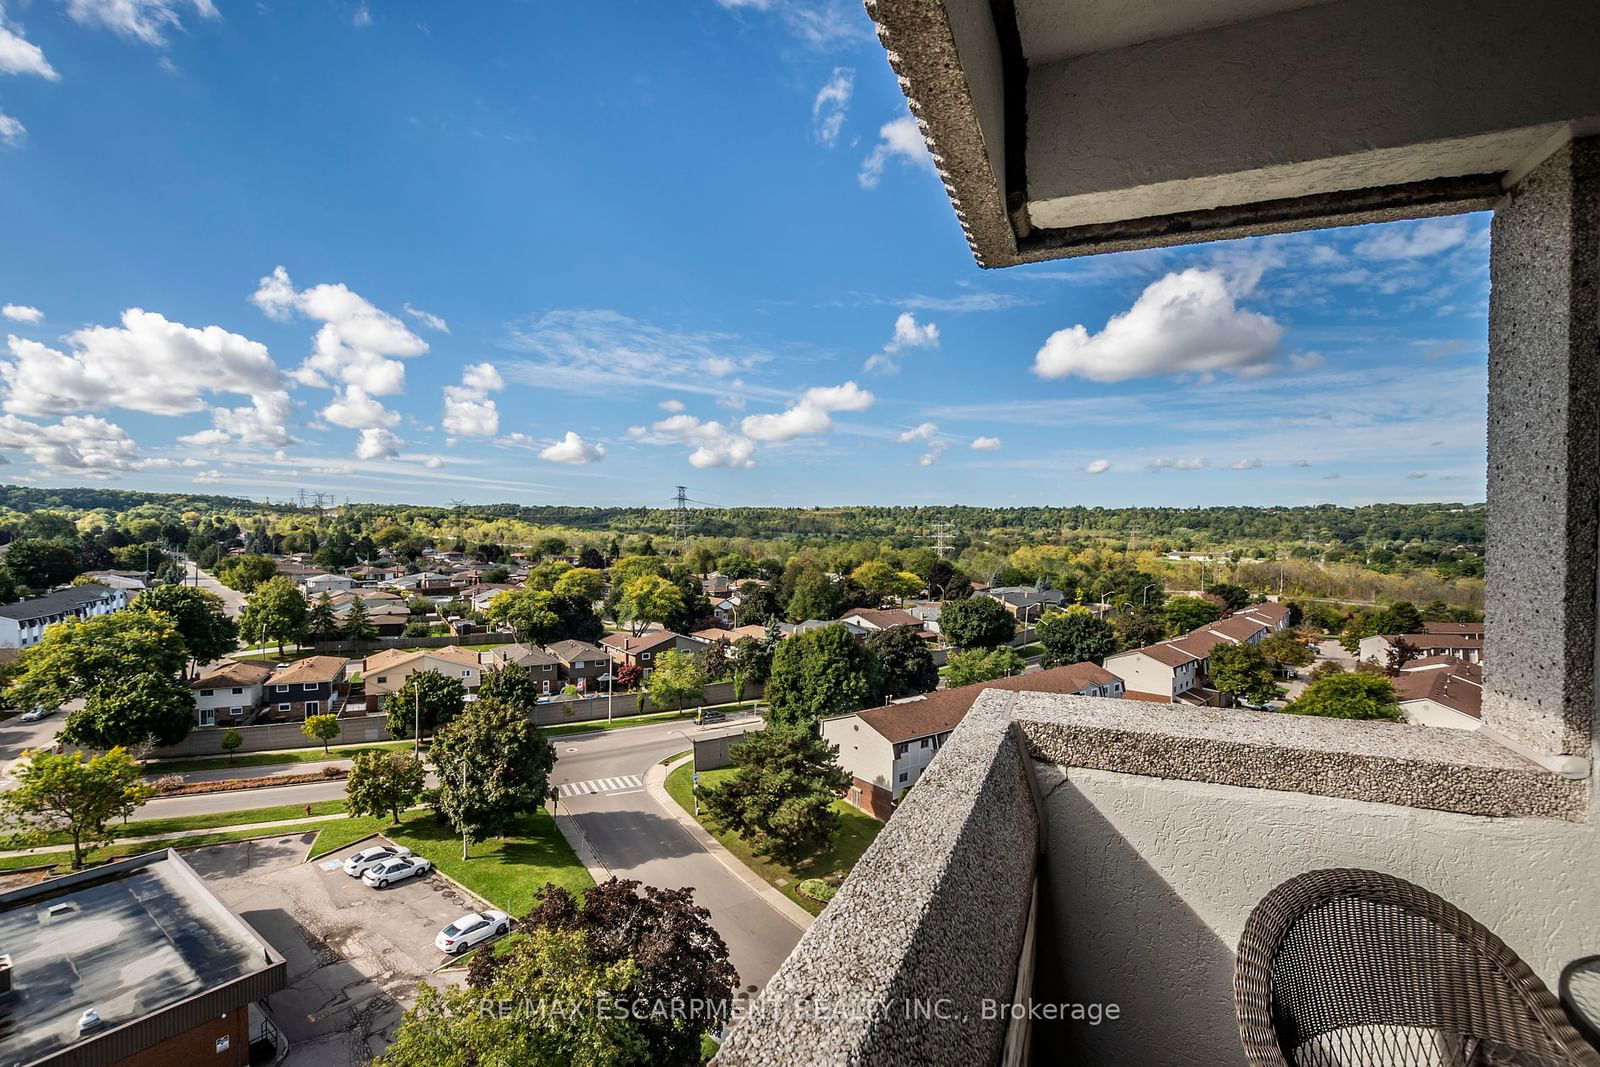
(1057,29)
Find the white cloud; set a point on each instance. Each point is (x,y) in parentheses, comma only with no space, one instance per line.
(378,443)
(908,333)
(899,137)
(12,131)
(1098,466)
(821,24)
(1306,360)
(21,313)
(469,411)
(21,56)
(153,365)
(80,444)
(427,318)
(353,409)
(208,476)
(810,415)
(356,339)
(719,367)
(1412,240)
(433,463)
(146,21)
(985,444)
(363,16)
(1184,322)
(572,449)
(1197,463)
(711,443)
(831,103)
(671,405)
(925,432)
(1245,464)
(931,456)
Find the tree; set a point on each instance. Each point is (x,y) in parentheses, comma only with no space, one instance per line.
(40,564)
(781,793)
(819,673)
(1075,636)
(1400,653)
(816,596)
(715,660)
(199,616)
(72,794)
(1325,617)
(322,728)
(648,599)
(1185,613)
(77,657)
(590,559)
(430,698)
(1139,626)
(143,707)
(904,660)
(678,957)
(757,605)
(754,655)
(1242,671)
(276,612)
(629,676)
(883,582)
(676,680)
(1233,597)
(231,741)
(509,685)
(946,583)
(526,613)
(322,624)
(246,572)
(383,783)
(1325,668)
(358,624)
(1349,695)
(494,767)
(1284,650)
(1401,617)
(979,665)
(581,582)
(1358,628)
(976,622)
(546,969)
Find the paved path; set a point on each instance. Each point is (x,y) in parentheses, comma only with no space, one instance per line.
(232,599)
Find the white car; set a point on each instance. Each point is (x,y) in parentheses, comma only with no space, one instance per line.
(35,714)
(395,870)
(368,858)
(473,928)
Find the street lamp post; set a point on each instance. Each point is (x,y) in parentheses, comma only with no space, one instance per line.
(417,745)
(695,789)
(1144,594)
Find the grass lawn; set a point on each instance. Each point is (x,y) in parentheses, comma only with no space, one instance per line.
(856,831)
(620,722)
(265,759)
(1029,651)
(119,849)
(219,820)
(507,872)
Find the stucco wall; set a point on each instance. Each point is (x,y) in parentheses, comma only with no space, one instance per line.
(863,751)
(1149,883)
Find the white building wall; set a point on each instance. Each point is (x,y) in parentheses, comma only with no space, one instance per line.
(1151,883)
(1143,674)
(1374,648)
(863,752)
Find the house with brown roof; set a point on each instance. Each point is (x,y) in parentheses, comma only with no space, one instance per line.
(1466,648)
(1441,691)
(886,749)
(386,671)
(875,619)
(1274,617)
(582,664)
(1161,672)
(1454,629)
(541,667)
(315,685)
(643,651)
(711,634)
(227,694)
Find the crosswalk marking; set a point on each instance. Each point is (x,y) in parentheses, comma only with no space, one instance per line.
(602,785)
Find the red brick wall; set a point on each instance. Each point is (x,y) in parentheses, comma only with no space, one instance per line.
(198,1047)
(872,799)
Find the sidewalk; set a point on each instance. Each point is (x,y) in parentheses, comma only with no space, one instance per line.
(655,783)
(44,850)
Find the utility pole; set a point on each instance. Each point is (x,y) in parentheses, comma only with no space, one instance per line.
(463,801)
(417,692)
(680,521)
(940,533)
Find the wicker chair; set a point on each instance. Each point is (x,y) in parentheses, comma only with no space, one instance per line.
(1349,968)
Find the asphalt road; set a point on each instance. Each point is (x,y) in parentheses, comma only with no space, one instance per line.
(232,601)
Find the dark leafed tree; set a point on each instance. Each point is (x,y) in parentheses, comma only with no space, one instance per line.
(976,622)
(781,793)
(819,673)
(429,697)
(358,624)
(904,659)
(1075,636)
(493,766)
(202,623)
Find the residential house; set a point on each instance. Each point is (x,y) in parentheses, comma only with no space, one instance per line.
(886,749)
(1441,691)
(1454,629)
(373,573)
(874,619)
(289,567)
(542,667)
(24,624)
(716,585)
(129,582)
(643,651)
(315,685)
(1275,617)
(226,695)
(480,595)
(385,672)
(718,633)
(315,585)
(582,664)
(790,629)
(425,583)
(726,608)
(927,613)
(1175,671)
(1025,603)
(1468,649)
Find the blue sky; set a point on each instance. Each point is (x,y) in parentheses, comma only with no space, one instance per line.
(409,251)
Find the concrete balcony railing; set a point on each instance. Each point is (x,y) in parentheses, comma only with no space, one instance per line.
(1097,859)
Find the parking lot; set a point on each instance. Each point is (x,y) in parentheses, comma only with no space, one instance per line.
(355,953)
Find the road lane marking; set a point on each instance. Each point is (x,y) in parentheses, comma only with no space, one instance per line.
(625,783)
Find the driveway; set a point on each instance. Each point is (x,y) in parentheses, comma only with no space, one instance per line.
(355,954)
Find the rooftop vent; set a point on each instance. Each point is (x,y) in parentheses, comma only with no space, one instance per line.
(58,909)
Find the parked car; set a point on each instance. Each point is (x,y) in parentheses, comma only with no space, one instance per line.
(368,858)
(35,714)
(473,928)
(395,870)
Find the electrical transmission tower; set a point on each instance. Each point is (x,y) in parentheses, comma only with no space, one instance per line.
(940,534)
(680,521)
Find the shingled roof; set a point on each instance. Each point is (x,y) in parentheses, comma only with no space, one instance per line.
(941,710)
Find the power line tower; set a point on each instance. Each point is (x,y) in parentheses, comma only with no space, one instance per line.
(680,521)
(940,534)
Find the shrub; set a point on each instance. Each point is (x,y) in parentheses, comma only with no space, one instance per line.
(817,889)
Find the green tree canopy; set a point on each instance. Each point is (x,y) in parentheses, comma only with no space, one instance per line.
(139,709)
(819,673)
(1075,636)
(1243,671)
(430,696)
(246,572)
(199,616)
(78,657)
(72,794)
(982,665)
(780,796)
(815,596)
(1349,695)
(581,582)
(40,564)
(509,684)
(648,600)
(1185,613)
(383,783)
(322,728)
(976,622)
(904,659)
(676,680)
(276,611)
(358,624)
(1233,597)
(1284,650)
(507,764)
(322,623)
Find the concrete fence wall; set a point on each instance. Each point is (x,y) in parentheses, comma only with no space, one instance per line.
(364,648)
(592,708)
